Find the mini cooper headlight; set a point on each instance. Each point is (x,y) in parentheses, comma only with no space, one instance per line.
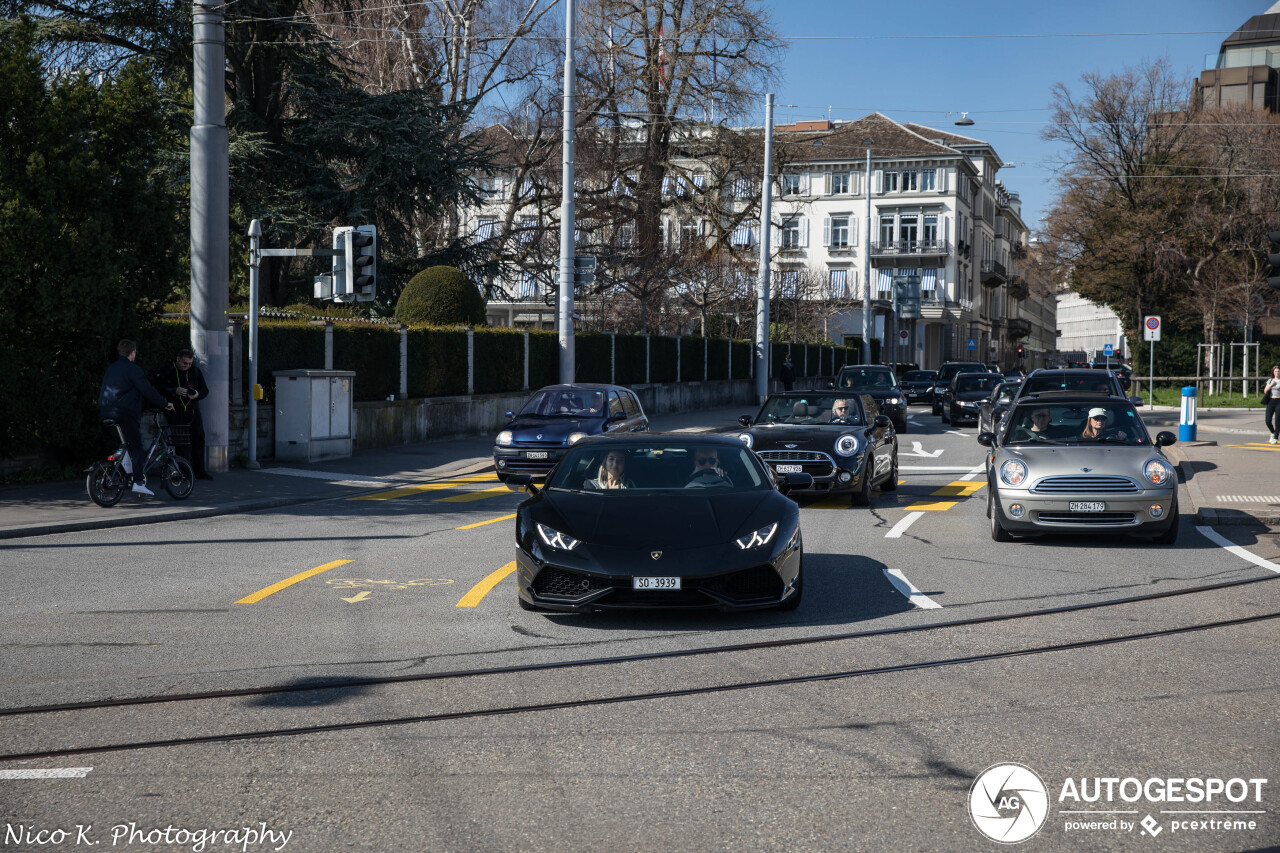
(1157,472)
(575,437)
(759,538)
(555,539)
(847,445)
(1013,472)
(504,438)
(745,438)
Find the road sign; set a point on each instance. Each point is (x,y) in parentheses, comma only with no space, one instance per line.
(584,270)
(903,335)
(1108,350)
(973,345)
(1151,328)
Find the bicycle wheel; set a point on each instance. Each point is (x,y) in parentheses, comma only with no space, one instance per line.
(179,479)
(106,483)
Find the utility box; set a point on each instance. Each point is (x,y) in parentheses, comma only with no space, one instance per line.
(315,414)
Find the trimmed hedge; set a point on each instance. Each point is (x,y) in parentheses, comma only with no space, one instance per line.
(373,352)
(592,357)
(544,358)
(629,369)
(718,359)
(662,359)
(437,362)
(499,360)
(693,356)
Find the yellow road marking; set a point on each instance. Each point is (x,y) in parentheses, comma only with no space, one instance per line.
(958,489)
(480,590)
(424,487)
(939,505)
(490,521)
(1257,446)
(287,582)
(466,497)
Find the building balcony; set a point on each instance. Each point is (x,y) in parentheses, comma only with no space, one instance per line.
(910,248)
(993,273)
(1018,328)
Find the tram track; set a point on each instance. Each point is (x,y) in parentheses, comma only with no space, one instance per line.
(369,721)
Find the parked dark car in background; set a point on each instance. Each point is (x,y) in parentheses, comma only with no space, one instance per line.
(699,523)
(846,451)
(881,384)
(1073,380)
(917,385)
(558,416)
(966,392)
(948,372)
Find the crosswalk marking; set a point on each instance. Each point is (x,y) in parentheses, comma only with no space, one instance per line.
(466,497)
(424,487)
(922,506)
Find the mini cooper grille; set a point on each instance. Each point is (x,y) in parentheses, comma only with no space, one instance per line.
(1099,518)
(795,456)
(1102,485)
(566,584)
(755,582)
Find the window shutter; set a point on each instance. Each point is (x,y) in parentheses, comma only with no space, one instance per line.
(804,232)
(826,230)
(853,231)
(826,183)
(877,181)
(804,184)
(855,182)
(940,179)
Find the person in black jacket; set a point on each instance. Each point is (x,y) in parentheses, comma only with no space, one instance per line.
(124,387)
(183,385)
(788,374)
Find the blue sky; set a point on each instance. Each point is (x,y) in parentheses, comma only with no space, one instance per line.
(1003,83)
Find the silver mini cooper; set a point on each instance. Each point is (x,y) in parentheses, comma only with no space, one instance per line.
(1079,464)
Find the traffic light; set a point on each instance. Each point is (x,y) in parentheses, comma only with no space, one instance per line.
(341,285)
(362,262)
(1019,352)
(1273,258)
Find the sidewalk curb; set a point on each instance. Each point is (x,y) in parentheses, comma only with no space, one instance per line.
(233,508)
(1215,516)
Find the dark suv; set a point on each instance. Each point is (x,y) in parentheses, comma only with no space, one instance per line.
(880,383)
(948,372)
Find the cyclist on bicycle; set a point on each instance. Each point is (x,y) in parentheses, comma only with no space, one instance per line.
(124,387)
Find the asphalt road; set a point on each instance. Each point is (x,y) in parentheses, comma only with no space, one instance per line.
(853,735)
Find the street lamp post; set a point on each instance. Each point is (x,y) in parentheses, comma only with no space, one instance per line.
(866,267)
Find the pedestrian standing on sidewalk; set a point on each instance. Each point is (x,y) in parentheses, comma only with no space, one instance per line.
(788,374)
(183,385)
(124,387)
(1272,392)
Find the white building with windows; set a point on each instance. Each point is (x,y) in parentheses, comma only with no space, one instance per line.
(939,216)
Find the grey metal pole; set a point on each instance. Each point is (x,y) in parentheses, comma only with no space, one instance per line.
(567,213)
(762,275)
(255,259)
(866,269)
(210,234)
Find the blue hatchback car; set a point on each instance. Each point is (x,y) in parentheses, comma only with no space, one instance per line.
(555,417)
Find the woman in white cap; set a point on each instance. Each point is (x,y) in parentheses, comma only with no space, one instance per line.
(1096,426)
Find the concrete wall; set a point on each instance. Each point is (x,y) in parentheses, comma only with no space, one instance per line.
(394,422)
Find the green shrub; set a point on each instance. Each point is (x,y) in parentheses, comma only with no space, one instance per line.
(284,345)
(693,356)
(437,362)
(740,364)
(440,296)
(544,358)
(373,352)
(630,360)
(718,359)
(662,359)
(592,357)
(499,360)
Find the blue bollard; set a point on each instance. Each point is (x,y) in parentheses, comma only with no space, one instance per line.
(1187,426)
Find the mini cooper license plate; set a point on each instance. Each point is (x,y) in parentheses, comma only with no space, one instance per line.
(535,454)
(655,583)
(1088,506)
(790,469)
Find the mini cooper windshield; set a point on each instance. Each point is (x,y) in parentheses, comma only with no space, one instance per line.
(565,402)
(1105,422)
(613,468)
(816,409)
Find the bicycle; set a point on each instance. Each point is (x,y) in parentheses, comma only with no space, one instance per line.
(107,481)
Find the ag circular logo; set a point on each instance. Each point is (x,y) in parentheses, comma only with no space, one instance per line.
(1008,803)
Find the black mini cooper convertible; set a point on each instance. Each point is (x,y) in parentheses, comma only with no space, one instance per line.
(841,441)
